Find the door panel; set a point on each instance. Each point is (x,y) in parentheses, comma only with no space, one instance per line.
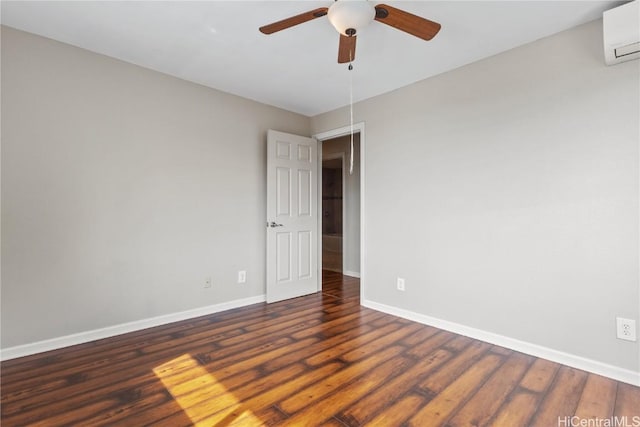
(283,256)
(304,254)
(283,192)
(304,192)
(292,219)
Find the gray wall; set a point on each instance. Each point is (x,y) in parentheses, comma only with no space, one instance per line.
(122,190)
(506,194)
(351,234)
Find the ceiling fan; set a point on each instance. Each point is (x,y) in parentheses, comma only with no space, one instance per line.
(349,16)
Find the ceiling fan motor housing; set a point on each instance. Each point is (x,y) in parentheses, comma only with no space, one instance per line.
(350,16)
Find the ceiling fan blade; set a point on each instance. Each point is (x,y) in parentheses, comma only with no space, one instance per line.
(347,49)
(407,22)
(294,20)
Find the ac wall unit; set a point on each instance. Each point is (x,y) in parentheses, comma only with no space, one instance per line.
(621,30)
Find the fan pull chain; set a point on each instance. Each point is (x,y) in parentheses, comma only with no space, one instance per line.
(351,116)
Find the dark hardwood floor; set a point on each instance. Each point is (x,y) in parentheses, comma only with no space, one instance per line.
(316,360)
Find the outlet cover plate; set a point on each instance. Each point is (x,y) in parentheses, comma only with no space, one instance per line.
(626,329)
(400,284)
(242,276)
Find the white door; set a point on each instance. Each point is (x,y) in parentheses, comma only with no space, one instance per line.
(292,217)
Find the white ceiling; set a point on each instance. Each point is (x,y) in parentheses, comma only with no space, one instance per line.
(217,43)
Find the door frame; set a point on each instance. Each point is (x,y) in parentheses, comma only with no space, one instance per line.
(331,134)
(342,157)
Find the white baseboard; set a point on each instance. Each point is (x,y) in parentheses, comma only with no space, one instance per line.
(123,328)
(578,362)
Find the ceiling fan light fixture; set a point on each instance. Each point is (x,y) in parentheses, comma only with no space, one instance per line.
(349,16)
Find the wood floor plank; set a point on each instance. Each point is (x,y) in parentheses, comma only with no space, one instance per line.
(457,344)
(523,402)
(270,416)
(332,422)
(484,404)
(321,359)
(399,412)
(344,395)
(443,405)
(358,342)
(71,417)
(419,336)
(539,377)
(598,398)
(119,413)
(260,401)
(447,373)
(330,330)
(199,403)
(290,322)
(501,351)
(339,324)
(136,386)
(377,401)
(518,410)
(378,344)
(428,359)
(328,385)
(421,349)
(207,385)
(440,340)
(238,362)
(316,348)
(627,402)
(562,398)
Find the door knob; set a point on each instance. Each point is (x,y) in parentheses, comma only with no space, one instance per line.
(273,225)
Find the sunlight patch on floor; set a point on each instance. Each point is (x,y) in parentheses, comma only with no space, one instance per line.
(198,392)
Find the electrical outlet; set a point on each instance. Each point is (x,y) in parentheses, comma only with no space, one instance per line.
(400,284)
(626,329)
(207,282)
(242,276)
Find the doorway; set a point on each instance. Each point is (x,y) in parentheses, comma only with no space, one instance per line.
(340,216)
(333,183)
(294,225)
